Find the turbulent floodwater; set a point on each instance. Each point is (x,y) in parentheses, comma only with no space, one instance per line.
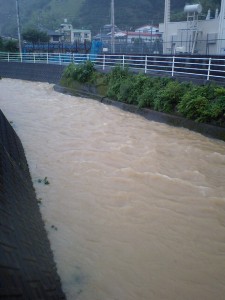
(135,210)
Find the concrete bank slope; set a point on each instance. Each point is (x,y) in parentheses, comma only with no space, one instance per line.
(27,268)
(29,71)
(90,91)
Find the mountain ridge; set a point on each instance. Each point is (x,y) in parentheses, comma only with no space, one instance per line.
(90,14)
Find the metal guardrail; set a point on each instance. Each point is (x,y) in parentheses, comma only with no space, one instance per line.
(200,67)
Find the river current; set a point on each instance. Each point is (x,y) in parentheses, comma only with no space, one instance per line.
(135,209)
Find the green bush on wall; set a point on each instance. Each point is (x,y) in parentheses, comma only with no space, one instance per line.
(202,103)
(82,72)
(117,77)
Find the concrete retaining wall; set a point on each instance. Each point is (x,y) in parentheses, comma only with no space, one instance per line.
(90,91)
(27,268)
(29,71)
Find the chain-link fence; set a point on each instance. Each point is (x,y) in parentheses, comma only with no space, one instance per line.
(209,46)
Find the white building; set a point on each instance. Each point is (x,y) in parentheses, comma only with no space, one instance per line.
(194,36)
(54,36)
(65,30)
(146,33)
(132,36)
(147,28)
(80,35)
(72,35)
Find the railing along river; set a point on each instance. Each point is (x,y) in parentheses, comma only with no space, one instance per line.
(204,68)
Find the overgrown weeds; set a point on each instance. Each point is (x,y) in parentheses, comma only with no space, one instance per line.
(202,103)
(82,72)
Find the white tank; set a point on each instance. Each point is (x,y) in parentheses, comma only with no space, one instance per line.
(194,8)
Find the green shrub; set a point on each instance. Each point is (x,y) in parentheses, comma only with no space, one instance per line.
(194,106)
(217,105)
(1,44)
(169,96)
(115,79)
(146,99)
(118,73)
(11,46)
(125,90)
(152,86)
(204,103)
(207,90)
(217,109)
(138,86)
(69,71)
(83,72)
(220,92)
(113,90)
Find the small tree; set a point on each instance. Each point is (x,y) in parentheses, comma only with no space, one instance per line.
(35,36)
(1,44)
(11,46)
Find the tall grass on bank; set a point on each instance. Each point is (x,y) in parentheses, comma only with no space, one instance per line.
(201,103)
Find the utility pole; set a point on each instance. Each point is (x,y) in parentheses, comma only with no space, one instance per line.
(112,27)
(166,21)
(220,41)
(18,25)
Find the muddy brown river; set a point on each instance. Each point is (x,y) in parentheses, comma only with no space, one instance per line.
(135,210)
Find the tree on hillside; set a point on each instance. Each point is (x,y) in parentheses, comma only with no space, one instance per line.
(1,44)
(132,13)
(35,36)
(11,46)
(128,13)
(91,14)
(8,45)
(209,4)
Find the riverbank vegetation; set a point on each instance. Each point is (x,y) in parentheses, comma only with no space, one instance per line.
(201,103)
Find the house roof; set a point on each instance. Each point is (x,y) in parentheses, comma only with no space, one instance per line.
(53,33)
(146,34)
(120,34)
(147,26)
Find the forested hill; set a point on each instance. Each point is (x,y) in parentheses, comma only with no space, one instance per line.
(91,14)
(37,13)
(128,13)
(134,13)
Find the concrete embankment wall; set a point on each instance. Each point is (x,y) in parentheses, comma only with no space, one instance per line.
(29,71)
(27,268)
(90,91)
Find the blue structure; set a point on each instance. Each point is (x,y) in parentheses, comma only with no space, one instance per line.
(96,48)
(57,47)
